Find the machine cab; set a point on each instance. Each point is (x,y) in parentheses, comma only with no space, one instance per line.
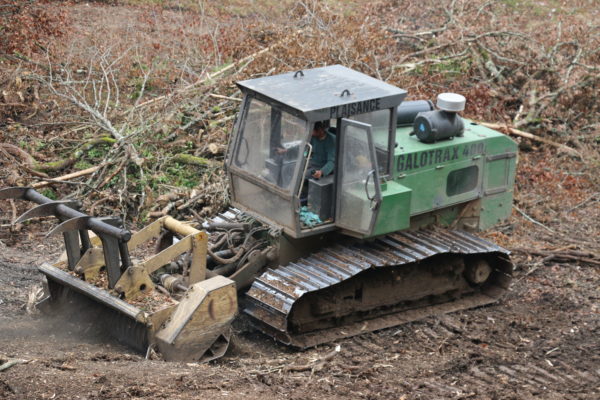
(275,150)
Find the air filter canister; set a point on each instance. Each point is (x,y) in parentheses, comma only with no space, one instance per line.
(445,123)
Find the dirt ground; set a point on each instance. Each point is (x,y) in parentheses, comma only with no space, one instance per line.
(540,341)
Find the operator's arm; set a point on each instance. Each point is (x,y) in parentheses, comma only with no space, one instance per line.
(330,150)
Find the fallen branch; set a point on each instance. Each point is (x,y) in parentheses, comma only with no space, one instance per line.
(64,367)
(532,220)
(100,119)
(316,365)
(220,121)
(517,132)
(13,207)
(33,172)
(77,174)
(11,362)
(40,168)
(218,96)
(54,166)
(593,197)
(17,152)
(110,176)
(191,160)
(163,212)
(411,66)
(558,255)
(97,203)
(190,202)
(12,105)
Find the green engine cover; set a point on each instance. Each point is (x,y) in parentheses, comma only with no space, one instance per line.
(467,180)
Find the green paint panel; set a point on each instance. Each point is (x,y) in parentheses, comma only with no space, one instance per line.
(479,165)
(497,174)
(449,184)
(394,210)
(494,209)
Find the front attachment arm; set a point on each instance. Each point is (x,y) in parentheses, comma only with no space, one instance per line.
(75,226)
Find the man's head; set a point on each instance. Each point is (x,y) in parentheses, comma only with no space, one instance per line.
(320,129)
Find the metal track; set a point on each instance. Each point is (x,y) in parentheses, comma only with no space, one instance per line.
(278,292)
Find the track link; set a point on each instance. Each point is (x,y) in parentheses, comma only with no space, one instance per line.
(281,298)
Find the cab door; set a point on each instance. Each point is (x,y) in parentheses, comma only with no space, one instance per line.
(358,189)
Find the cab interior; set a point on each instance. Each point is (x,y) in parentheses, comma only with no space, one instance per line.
(270,157)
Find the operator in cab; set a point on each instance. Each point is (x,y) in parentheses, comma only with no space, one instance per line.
(322,161)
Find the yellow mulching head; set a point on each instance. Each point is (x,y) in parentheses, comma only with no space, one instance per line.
(186,317)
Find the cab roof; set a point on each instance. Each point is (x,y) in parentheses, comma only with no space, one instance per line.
(327,92)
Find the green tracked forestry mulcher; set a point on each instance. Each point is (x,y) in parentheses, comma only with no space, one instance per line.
(351,212)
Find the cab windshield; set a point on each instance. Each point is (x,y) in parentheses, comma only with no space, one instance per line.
(271,144)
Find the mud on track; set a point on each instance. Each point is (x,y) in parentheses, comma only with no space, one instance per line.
(539,341)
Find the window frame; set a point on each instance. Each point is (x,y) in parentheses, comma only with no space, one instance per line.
(287,193)
(385,174)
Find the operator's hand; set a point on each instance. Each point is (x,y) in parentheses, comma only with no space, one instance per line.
(280,150)
(318,174)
